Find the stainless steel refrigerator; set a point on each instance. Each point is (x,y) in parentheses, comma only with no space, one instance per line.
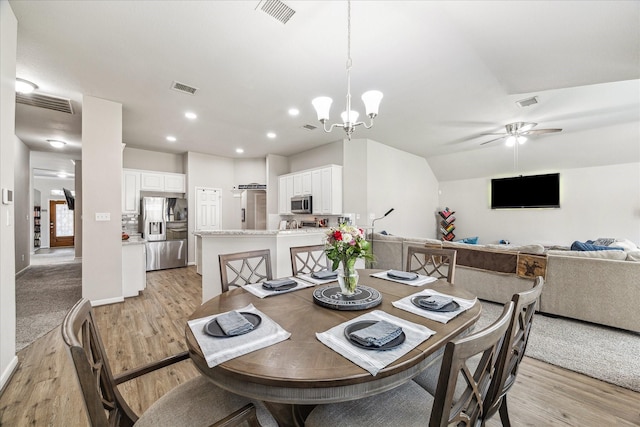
(164,227)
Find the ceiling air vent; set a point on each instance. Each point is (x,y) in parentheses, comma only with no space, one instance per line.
(181,87)
(42,100)
(309,127)
(276,9)
(527,102)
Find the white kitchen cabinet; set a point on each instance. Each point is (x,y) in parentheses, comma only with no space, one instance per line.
(134,268)
(130,191)
(323,184)
(175,183)
(285,192)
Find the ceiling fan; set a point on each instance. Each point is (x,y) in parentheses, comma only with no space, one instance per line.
(516,132)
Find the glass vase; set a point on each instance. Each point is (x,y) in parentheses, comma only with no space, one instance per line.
(348,278)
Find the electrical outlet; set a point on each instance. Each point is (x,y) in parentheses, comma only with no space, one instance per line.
(22,257)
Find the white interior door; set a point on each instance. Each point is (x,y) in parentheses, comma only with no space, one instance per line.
(208,209)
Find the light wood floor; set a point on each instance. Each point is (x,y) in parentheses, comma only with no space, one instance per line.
(44,392)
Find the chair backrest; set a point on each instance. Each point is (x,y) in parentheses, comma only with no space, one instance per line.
(244,268)
(451,407)
(435,262)
(308,259)
(104,403)
(515,344)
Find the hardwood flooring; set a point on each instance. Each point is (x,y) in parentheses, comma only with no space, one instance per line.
(44,391)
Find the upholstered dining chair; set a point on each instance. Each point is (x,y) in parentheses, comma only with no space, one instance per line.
(440,263)
(308,259)
(509,359)
(244,268)
(410,405)
(197,402)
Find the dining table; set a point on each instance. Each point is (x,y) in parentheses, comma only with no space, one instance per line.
(298,373)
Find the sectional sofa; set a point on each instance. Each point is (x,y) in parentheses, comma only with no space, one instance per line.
(601,287)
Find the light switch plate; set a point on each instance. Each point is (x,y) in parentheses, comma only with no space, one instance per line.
(7,196)
(105,216)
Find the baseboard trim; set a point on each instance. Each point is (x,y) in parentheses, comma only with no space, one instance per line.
(8,373)
(95,303)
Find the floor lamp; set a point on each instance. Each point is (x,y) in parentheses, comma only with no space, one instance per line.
(373,225)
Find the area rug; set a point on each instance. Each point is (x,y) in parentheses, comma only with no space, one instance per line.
(608,354)
(44,294)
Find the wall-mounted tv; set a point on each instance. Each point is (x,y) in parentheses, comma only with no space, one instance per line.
(533,191)
(71,201)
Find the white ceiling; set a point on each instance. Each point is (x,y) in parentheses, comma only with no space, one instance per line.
(450,72)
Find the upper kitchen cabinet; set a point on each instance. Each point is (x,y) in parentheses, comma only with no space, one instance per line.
(163,181)
(323,184)
(134,181)
(130,191)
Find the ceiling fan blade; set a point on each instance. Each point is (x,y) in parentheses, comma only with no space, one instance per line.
(495,139)
(540,131)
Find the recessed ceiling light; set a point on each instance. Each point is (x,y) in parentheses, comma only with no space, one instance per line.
(62,175)
(55,143)
(294,111)
(271,135)
(171,138)
(191,116)
(239,150)
(25,86)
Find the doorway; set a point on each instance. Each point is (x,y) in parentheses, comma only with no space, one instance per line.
(60,224)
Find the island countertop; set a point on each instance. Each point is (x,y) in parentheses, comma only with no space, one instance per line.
(217,233)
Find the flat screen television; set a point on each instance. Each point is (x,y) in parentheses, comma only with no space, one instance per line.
(71,201)
(534,191)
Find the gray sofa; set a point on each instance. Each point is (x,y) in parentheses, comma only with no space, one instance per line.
(601,287)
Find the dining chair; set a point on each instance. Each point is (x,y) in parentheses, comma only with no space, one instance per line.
(197,402)
(513,350)
(308,259)
(435,262)
(509,358)
(244,268)
(410,405)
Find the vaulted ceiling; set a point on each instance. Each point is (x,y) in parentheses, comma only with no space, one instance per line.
(451,72)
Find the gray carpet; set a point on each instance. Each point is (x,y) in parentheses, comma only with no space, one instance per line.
(44,294)
(608,354)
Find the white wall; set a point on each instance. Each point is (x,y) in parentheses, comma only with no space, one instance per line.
(45,185)
(101,241)
(8,43)
(134,158)
(22,206)
(595,202)
(326,154)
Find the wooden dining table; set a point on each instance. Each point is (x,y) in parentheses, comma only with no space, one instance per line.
(294,375)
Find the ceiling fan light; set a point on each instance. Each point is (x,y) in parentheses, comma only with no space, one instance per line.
(349,118)
(371,101)
(322,104)
(511,141)
(521,139)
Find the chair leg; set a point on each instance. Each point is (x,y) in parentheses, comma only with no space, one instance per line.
(504,413)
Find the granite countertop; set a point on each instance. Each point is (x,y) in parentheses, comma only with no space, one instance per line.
(134,240)
(259,232)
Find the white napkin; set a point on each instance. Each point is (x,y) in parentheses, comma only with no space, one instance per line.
(309,278)
(219,350)
(421,280)
(261,292)
(442,317)
(374,360)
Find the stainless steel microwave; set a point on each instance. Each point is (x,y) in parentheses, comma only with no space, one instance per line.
(301,205)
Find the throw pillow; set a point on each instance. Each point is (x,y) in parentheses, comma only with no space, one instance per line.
(470,240)
(584,246)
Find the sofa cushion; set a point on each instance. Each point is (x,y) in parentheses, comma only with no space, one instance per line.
(625,244)
(633,255)
(615,255)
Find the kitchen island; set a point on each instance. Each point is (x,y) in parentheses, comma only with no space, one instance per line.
(210,244)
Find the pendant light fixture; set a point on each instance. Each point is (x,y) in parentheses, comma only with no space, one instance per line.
(349,117)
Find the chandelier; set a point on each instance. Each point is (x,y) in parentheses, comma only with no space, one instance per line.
(349,117)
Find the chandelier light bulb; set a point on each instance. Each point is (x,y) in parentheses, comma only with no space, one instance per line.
(349,118)
(322,104)
(371,101)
